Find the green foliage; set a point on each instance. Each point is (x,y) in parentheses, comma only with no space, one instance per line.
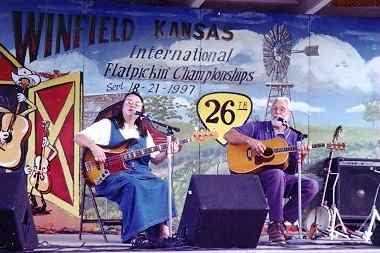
(191,114)
(169,110)
(372,111)
(163,107)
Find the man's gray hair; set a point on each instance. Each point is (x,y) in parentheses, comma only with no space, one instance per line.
(286,100)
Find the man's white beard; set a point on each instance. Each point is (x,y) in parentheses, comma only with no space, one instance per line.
(276,122)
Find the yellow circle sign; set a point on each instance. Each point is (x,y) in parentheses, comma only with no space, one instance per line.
(220,111)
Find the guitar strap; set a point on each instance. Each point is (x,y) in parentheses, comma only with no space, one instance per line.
(116,138)
(278,133)
(1,121)
(281,135)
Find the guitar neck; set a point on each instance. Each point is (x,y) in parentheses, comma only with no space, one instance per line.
(12,121)
(294,148)
(146,151)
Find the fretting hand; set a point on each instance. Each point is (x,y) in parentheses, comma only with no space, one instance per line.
(174,147)
(305,150)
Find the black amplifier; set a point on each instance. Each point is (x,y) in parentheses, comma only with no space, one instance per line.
(358,180)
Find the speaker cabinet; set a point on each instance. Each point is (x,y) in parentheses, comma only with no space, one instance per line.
(17,231)
(223,211)
(356,186)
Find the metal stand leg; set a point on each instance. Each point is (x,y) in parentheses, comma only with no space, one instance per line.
(323,201)
(170,170)
(299,165)
(332,231)
(81,210)
(300,239)
(335,214)
(315,230)
(374,216)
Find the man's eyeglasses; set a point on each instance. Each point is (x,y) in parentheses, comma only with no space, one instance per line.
(131,102)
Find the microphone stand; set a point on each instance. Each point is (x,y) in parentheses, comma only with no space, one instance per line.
(301,137)
(169,128)
(169,141)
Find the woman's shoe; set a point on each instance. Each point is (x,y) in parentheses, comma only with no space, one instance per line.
(164,231)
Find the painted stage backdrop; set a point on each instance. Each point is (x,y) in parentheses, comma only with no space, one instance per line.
(63,62)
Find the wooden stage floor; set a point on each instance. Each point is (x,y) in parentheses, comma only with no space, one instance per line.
(95,243)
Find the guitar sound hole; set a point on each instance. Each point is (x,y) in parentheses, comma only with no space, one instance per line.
(268,152)
(9,137)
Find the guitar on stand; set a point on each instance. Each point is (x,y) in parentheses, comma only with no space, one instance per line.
(39,178)
(325,218)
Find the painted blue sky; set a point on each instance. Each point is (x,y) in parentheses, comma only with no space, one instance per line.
(332,87)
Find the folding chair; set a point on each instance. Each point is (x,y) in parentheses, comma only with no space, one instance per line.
(102,222)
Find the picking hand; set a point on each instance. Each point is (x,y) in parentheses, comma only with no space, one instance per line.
(257,146)
(98,153)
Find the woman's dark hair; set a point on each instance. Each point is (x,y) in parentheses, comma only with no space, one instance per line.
(119,118)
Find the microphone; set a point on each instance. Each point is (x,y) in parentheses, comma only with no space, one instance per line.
(142,114)
(283,121)
(148,117)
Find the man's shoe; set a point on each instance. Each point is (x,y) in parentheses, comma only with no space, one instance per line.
(276,232)
(286,233)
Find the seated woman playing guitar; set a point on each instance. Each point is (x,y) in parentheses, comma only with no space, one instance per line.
(141,196)
(277,183)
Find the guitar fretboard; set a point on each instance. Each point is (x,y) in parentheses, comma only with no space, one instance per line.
(294,148)
(133,154)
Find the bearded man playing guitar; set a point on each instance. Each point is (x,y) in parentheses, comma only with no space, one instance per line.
(277,183)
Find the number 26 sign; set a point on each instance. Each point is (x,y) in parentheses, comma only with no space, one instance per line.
(220,111)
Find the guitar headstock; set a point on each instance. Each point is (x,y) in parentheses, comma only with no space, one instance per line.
(338,134)
(204,135)
(336,146)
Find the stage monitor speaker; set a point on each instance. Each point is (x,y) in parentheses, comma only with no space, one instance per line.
(223,211)
(356,187)
(17,231)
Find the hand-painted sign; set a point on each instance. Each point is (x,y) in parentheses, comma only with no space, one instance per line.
(220,111)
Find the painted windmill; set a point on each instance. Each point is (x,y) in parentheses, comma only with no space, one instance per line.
(277,50)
